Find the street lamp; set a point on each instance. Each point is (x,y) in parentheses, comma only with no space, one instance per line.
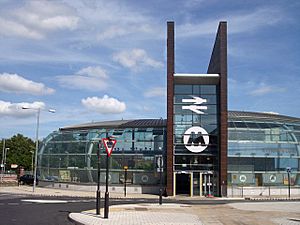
(2,161)
(37,141)
(5,154)
(32,153)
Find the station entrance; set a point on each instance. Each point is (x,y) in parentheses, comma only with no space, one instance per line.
(194,183)
(183,186)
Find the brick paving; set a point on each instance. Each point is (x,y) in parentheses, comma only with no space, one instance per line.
(136,218)
(249,213)
(134,214)
(262,213)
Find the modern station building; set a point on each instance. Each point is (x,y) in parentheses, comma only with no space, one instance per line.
(206,150)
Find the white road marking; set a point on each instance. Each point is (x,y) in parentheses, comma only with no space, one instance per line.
(44,201)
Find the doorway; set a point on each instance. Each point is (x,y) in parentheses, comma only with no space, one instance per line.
(207,183)
(183,184)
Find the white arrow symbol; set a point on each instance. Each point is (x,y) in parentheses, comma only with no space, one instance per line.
(195,108)
(196,100)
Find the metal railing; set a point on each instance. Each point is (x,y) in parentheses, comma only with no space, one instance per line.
(263,191)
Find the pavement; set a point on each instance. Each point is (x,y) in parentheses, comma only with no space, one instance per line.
(243,212)
(136,214)
(250,213)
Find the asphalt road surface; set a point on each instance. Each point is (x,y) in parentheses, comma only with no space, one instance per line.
(21,209)
(41,210)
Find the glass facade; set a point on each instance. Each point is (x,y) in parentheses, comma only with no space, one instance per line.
(204,116)
(184,119)
(260,148)
(71,156)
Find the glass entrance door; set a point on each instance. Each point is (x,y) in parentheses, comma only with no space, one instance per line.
(196,184)
(207,184)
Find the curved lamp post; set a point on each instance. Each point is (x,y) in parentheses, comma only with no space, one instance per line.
(37,141)
(5,155)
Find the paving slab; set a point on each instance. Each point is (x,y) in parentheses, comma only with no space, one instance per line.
(268,206)
(136,214)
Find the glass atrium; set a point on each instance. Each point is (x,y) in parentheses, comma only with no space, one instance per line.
(261,147)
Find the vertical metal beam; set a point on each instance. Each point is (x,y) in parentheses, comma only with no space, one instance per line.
(170,94)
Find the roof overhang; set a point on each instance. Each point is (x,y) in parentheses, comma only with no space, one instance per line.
(195,78)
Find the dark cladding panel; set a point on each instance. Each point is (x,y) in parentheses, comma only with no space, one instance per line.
(218,64)
(170,94)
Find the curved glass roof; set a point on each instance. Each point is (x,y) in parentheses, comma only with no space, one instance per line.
(239,118)
(271,117)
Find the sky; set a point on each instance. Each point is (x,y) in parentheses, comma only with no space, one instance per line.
(106,60)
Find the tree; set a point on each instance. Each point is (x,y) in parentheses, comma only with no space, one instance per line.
(20,151)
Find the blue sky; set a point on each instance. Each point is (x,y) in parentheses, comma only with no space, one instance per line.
(106,60)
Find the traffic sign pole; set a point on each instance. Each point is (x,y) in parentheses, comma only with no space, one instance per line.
(109,145)
(98,195)
(106,208)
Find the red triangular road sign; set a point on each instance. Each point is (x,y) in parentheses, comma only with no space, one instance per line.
(109,145)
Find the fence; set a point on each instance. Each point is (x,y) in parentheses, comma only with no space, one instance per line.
(265,191)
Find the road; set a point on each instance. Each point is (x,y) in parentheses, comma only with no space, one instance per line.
(40,210)
(22,209)
(46,210)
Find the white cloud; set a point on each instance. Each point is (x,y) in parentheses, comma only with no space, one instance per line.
(193,3)
(11,28)
(237,22)
(105,105)
(47,15)
(98,21)
(59,22)
(155,92)
(136,29)
(91,71)
(112,32)
(35,18)
(15,109)
(17,84)
(135,58)
(89,78)
(264,89)
(253,88)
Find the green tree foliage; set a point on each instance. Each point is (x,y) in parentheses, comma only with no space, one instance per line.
(20,151)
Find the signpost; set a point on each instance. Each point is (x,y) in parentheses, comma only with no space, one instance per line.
(98,195)
(109,145)
(125,179)
(288,170)
(160,169)
(243,179)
